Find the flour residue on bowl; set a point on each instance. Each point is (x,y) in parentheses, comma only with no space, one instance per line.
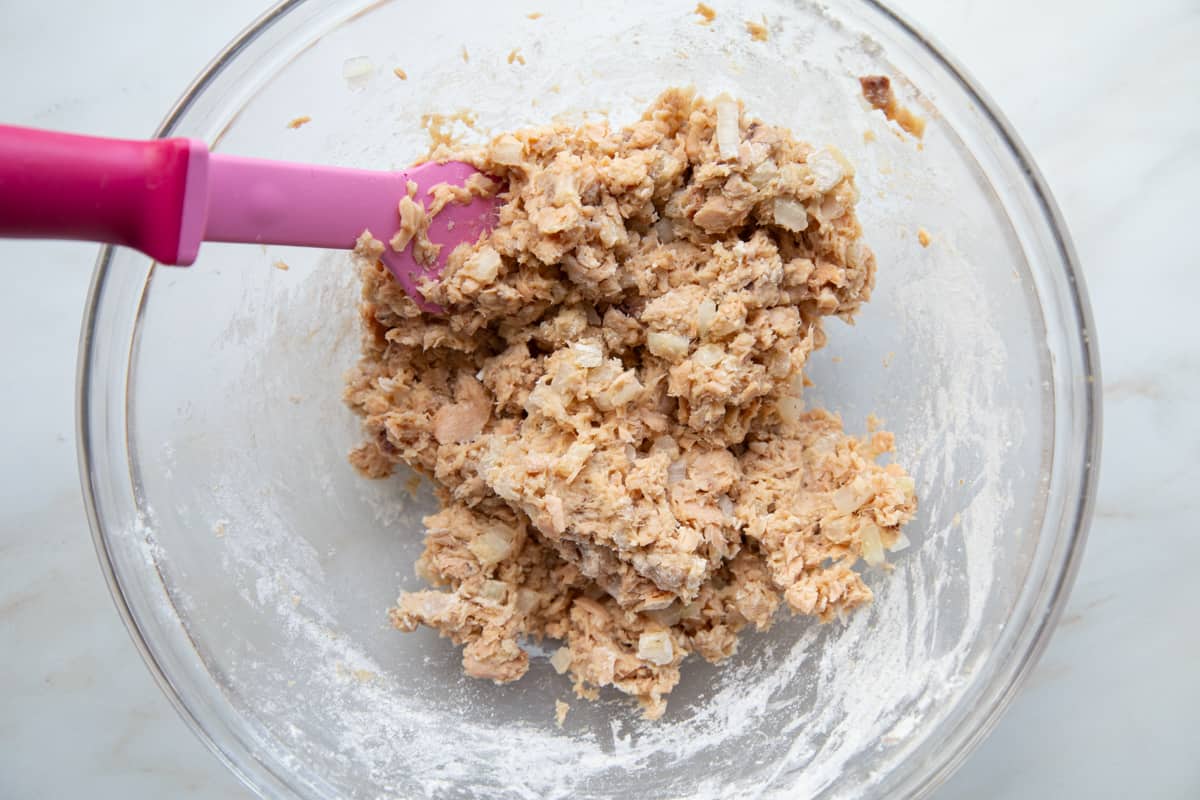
(799,682)
(312,556)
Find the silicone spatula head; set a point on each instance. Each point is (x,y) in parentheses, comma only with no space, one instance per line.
(454,224)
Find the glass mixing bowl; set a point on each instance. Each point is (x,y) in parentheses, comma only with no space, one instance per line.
(254,567)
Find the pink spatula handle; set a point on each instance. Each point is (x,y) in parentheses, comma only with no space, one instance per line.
(276,202)
(165,196)
(132,193)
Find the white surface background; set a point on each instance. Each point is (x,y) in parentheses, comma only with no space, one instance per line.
(1106,94)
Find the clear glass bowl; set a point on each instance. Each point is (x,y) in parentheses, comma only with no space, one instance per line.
(254,567)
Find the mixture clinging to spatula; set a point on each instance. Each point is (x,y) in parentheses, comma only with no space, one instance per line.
(610,401)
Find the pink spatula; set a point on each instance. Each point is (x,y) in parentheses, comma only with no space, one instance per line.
(165,196)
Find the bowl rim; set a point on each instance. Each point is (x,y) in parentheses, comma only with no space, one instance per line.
(1059,584)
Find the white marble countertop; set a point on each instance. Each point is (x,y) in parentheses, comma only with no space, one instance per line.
(1104,95)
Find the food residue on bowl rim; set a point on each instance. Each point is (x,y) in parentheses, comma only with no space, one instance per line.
(877,89)
(706,13)
(758,30)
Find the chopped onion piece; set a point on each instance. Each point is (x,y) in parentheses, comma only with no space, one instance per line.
(604,373)
(872,544)
(728,134)
(830,209)
(603,663)
(483,266)
(856,254)
(357,71)
(664,444)
(677,471)
(826,170)
(705,314)
(624,389)
(528,600)
(790,214)
(843,500)
(726,505)
(561,660)
(851,496)
(836,529)
(708,355)
(796,384)
(763,173)
(494,591)
(574,460)
(587,354)
(655,647)
(566,190)
(507,150)
(790,409)
(671,346)
(902,543)
(490,547)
